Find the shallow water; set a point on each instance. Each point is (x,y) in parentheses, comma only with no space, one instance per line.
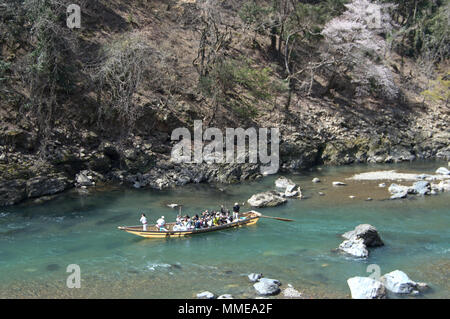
(38,242)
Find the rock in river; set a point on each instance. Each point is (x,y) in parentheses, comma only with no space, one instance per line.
(442,171)
(398,282)
(283,182)
(359,239)
(266,199)
(339,184)
(254,277)
(270,281)
(368,233)
(420,188)
(205,295)
(366,288)
(225,296)
(355,248)
(267,288)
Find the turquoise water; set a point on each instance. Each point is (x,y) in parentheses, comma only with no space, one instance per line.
(38,242)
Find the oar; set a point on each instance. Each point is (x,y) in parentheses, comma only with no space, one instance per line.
(278,218)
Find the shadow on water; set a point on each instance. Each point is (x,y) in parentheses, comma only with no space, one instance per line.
(113,220)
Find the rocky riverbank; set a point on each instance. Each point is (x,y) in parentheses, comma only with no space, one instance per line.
(85,159)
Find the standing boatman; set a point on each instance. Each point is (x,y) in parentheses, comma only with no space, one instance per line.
(143,220)
(236,209)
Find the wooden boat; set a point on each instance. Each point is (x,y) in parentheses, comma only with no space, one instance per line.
(245,219)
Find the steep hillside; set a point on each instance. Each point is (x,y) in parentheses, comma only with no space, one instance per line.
(104,99)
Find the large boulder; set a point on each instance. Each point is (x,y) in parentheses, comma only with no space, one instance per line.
(266,288)
(368,233)
(42,186)
(266,199)
(366,288)
(398,282)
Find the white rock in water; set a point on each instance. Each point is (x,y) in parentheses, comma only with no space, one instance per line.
(293,191)
(442,171)
(172,205)
(205,295)
(398,282)
(267,199)
(254,277)
(339,184)
(382,185)
(270,281)
(366,288)
(284,182)
(225,296)
(316,180)
(355,248)
(266,288)
(351,196)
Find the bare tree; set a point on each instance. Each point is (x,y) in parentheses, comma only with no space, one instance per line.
(119,75)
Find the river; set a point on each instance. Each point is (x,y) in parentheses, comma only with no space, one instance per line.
(39,241)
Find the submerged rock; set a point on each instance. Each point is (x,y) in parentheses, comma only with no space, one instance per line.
(398,282)
(266,199)
(366,288)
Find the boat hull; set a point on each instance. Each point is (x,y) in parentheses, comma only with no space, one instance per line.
(252,219)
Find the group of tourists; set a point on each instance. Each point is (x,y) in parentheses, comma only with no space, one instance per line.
(204,220)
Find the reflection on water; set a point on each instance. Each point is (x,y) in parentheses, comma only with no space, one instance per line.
(37,242)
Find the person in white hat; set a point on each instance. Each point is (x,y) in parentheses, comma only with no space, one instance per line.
(161,223)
